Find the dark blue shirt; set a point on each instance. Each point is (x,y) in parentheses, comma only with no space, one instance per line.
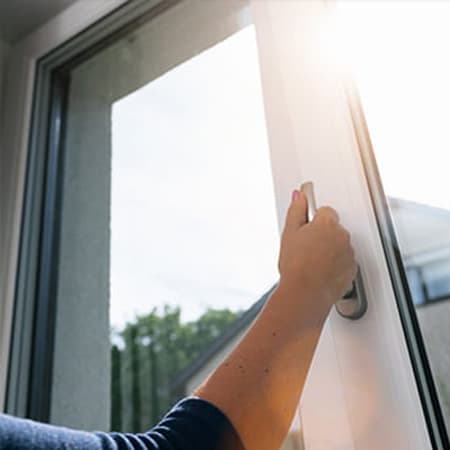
(193,424)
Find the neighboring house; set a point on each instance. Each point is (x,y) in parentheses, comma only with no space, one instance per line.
(424,240)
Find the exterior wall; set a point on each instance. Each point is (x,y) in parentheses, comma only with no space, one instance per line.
(82,322)
(434,320)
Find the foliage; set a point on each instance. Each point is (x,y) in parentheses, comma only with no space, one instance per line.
(148,355)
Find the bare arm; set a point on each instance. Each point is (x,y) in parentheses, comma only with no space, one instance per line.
(259,384)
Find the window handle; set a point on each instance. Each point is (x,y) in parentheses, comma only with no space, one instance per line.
(353,304)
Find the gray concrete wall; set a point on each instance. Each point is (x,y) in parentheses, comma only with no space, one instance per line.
(434,321)
(80,396)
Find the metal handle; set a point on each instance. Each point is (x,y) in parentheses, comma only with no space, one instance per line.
(354,303)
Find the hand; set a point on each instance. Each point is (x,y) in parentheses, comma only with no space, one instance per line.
(317,257)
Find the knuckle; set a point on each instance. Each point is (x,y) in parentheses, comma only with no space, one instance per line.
(324,212)
(346,236)
(343,235)
(332,213)
(327,210)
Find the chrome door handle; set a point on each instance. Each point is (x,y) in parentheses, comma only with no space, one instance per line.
(353,305)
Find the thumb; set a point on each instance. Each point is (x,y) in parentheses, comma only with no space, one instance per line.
(296,215)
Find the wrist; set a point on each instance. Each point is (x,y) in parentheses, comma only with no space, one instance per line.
(302,300)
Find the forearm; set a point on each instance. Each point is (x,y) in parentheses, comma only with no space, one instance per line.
(259,384)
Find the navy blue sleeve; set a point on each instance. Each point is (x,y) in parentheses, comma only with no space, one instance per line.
(193,424)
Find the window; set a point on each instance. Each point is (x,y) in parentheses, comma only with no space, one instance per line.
(87,172)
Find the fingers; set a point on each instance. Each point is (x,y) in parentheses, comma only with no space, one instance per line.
(326,214)
(296,215)
(298,210)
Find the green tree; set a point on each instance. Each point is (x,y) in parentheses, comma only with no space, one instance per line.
(156,347)
(116,391)
(131,341)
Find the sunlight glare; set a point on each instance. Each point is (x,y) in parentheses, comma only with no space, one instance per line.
(398,56)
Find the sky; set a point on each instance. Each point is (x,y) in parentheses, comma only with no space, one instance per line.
(193,210)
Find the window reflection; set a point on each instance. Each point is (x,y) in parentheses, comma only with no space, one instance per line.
(404,85)
(424,239)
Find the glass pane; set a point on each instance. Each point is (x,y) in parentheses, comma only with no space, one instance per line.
(403,77)
(169,235)
(192,207)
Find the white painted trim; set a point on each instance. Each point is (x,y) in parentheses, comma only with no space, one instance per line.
(18,101)
(307,110)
